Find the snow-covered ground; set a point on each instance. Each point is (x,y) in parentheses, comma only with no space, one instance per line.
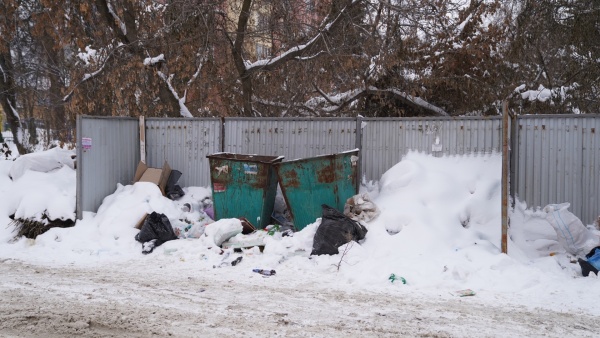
(439,229)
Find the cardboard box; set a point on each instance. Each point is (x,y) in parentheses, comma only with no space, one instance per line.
(158,176)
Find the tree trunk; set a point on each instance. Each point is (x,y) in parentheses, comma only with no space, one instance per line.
(8,100)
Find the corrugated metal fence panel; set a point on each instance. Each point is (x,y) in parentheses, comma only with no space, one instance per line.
(112,158)
(557,162)
(591,170)
(184,144)
(292,138)
(386,141)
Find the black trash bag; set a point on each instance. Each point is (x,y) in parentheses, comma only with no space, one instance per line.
(155,231)
(172,190)
(336,229)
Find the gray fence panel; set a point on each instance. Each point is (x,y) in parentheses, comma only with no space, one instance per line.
(112,158)
(386,141)
(591,170)
(557,161)
(184,144)
(557,157)
(292,138)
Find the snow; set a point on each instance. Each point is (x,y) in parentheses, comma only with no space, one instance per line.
(153,60)
(439,229)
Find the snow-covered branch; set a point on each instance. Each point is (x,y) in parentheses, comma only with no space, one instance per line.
(3,73)
(331,103)
(183,110)
(296,51)
(198,70)
(85,78)
(419,102)
(120,22)
(154,60)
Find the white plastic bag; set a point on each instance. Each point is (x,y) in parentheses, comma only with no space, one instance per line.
(572,234)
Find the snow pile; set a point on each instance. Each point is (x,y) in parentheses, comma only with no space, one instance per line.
(45,161)
(439,228)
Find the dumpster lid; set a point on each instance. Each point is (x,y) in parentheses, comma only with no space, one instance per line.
(245,157)
(352,152)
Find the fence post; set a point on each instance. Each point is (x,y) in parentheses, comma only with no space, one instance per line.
(358,145)
(514,155)
(142,139)
(78,169)
(505,174)
(222,135)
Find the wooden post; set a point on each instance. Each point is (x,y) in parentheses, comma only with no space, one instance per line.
(505,174)
(142,139)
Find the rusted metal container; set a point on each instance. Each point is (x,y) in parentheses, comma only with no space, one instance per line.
(243,186)
(310,182)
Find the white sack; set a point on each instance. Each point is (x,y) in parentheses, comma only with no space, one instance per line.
(223,229)
(572,234)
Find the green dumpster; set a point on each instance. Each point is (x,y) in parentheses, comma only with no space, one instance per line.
(310,182)
(243,186)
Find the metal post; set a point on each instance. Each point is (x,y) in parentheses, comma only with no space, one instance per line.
(505,174)
(79,169)
(142,139)
(222,135)
(358,145)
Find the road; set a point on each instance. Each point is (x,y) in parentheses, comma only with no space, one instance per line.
(137,301)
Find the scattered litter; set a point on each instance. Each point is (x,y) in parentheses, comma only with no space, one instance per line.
(361,208)
(264,272)
(236,261)
(155,231)
(186,229)
(464,293)
(172,190)
(591,263)
(394,278)
(335,230)
(224,261)
(247,227)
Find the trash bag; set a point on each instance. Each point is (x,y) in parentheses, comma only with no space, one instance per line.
(172,190)
(591,263)
(336,229)
(223,229)
(361,208)
(155,231)
(575,238)
(593,257)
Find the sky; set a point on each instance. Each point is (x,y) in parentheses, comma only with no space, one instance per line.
(438,228)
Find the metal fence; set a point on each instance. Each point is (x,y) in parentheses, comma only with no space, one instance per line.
(386,141)
(184,144)
(108,150)
(555,158)
(292,138)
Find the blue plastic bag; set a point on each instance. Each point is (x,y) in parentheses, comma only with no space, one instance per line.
(594,258)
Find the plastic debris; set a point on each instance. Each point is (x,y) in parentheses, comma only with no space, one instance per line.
(264,272)
(394,278)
